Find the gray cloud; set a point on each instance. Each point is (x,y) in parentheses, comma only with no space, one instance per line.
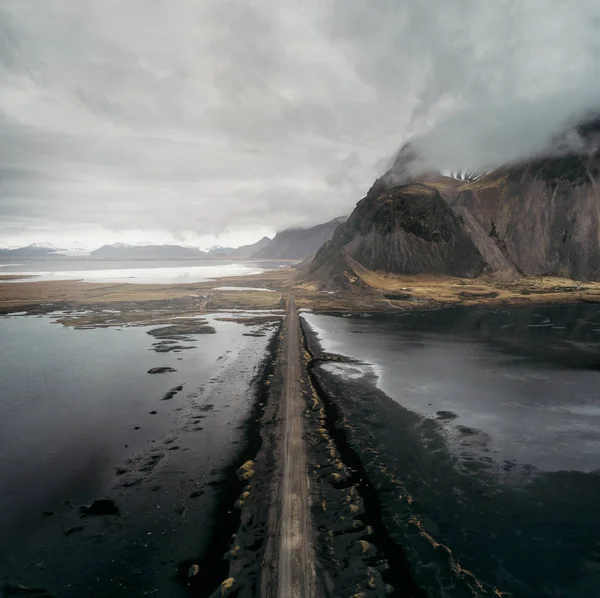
(185,118)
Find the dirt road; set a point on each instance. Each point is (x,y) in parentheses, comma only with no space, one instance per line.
(296,559)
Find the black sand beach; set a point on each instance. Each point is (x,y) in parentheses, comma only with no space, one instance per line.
(112,490)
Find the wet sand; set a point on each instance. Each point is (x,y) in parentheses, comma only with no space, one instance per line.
(167,460)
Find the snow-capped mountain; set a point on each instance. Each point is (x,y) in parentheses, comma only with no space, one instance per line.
(33,250)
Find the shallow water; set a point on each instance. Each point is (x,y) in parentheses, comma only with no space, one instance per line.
(139,271)
(539,412)
(70,401)
(491,427)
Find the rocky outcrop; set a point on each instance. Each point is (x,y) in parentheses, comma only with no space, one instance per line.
(544,216)
(407,229)
(410,229)
(497,264)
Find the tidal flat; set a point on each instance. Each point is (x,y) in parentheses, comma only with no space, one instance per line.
(93,415)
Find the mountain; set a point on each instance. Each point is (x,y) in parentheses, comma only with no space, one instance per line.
(31,251)
(122,251)
(247,251)
(539,217)
(243,252)
(407,229)
(298,243)
(544,216)
(219,251)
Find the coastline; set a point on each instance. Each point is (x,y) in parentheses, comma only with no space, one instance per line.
(232,551)
(455,512)
(366,291)
(350,505)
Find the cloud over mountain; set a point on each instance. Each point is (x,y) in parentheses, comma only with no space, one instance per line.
(183,118)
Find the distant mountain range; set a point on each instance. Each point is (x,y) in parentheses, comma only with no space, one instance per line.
(123,251)
(30,251)
(290,244)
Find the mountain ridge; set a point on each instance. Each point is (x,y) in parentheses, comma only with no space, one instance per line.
(539,217)
(299,243)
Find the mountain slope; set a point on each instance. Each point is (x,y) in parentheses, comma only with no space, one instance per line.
(246,251)
(298,243)
(407,229)
(544,216)
(540,217)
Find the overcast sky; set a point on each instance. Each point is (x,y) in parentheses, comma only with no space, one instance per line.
(218,121)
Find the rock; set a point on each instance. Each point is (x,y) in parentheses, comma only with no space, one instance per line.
(227,586)
(246,471)
(73,530)
(183,327)
(161,370)
(166,348)
(407,229)
(466,431)
(172,392)
(193,570)
(101,506)
(446,415)
(397,296)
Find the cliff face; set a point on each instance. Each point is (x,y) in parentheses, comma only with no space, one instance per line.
(408,229)
(544,216)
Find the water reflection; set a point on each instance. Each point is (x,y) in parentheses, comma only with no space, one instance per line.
(517,392)
(481,431)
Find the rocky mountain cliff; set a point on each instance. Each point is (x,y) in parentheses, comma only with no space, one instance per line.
(540,217)
(298,243)
(544,216)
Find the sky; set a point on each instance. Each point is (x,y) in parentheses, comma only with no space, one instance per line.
(215,122)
